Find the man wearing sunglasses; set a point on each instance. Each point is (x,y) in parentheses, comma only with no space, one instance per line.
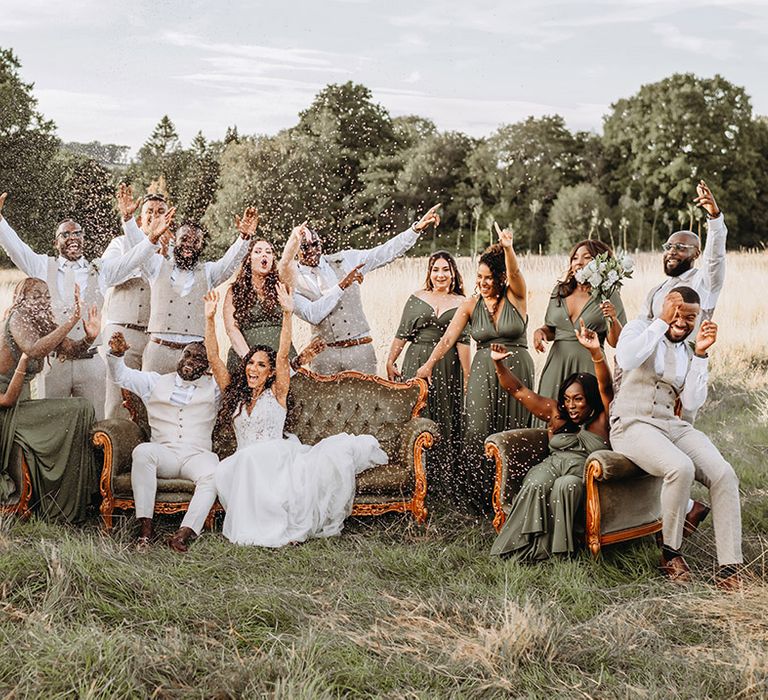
(681,251)
(343,327)
(82,375)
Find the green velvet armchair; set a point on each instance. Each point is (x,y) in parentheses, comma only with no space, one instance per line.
(622,501)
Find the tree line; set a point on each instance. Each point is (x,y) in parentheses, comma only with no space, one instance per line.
(357,173)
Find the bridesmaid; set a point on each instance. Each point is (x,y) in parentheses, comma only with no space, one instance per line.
(498,314)
(569,304)
(426,316)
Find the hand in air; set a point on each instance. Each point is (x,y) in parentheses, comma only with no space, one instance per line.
(74,317)
(300,231)
(506,238)
(248,224)
(211,300)
(126,204)
(92,322)
(118,345)
(539,340)
(158,229)
(354,275)
(3,197)
(706,337)
(587,337)
(499,352)
(285,297)
(431,218)
(706,199)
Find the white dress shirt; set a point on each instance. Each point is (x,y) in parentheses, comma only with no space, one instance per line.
(143,383)
(707,279)
(323,280)
(640,338)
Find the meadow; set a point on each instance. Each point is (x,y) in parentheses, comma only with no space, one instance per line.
(392,609)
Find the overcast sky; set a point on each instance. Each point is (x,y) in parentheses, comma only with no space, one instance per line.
(108,71)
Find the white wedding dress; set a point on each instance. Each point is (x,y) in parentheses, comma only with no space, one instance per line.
(276,491)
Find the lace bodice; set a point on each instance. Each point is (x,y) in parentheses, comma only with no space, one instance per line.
(265,422)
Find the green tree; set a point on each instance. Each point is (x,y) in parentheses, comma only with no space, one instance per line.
(662,140)
(575,215)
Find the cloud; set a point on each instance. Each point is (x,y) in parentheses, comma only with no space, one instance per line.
(673,38)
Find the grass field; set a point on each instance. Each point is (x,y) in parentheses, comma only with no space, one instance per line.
(392,609)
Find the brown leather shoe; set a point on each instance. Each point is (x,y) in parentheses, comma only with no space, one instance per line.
(179,542)
(676,570)
(698,513)
(730,584)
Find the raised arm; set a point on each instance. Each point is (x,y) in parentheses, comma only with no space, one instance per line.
(515,281)
(713,258)
(282,363)
(218,368)
(39,347)
(30,263)
(450,337)
(590,340)
(539,406)
(140,383)
(239,344)
(74,349)
(13,391)
(286,268)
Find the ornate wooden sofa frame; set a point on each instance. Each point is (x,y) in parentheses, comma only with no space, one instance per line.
(318,406)
(18,470)
(622,501)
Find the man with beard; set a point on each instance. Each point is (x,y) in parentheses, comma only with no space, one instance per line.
(181,409)
(178,284)
(127,309)
(341,323)
(80,373)
(655,368)
(681,251)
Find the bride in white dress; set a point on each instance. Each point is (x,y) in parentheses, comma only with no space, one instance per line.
(276,491)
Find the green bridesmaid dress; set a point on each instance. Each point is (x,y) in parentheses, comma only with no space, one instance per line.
(55,436)
(489,409)
(422,328)
(544,511)
(263,328)
(566,355)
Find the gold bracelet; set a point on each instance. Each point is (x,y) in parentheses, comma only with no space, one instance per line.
(19,371)
(602,359)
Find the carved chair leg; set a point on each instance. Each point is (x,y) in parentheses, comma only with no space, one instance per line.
(209,520)
(106,514)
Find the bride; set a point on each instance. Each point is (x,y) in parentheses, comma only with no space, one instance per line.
(276,491)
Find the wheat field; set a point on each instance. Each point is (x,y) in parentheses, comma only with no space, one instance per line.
(742,311)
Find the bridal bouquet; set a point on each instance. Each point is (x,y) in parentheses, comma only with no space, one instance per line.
(606,274)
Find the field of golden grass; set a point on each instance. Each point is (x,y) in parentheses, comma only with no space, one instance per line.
(742,312)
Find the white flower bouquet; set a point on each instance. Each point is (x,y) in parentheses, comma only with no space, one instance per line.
(605,274)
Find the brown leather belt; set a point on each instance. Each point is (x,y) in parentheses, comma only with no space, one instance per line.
(132,327)
(87,355)
(169,344)
(350,343)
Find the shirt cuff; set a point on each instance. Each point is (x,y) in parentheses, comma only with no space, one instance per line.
(658,327)
(700,364)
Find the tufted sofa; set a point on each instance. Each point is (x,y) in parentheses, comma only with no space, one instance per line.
(622,501)
(17,502)
(318,406)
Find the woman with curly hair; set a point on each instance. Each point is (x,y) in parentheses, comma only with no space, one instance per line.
(570,303)
(426,316)
(277,491)
(498,314)
(54,434)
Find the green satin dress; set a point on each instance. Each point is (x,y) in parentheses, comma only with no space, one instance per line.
(55,436)
(544,511)
(566,355)
(490,409)
(263,328)
(422,328)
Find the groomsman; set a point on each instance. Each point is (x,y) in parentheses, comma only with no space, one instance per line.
(127,309)
(181,408)
(82,375)
(178,284)
(344,328)
(656,366)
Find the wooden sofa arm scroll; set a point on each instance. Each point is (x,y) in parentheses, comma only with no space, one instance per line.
(118,437)
(417,435)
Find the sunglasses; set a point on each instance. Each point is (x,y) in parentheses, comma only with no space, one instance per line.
(678,247)
(70,234)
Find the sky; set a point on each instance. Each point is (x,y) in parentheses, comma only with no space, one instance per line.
(108,71)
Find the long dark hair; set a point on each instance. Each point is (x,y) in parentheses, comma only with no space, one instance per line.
(591,393)
(42,320)
(566,286)
(493,257)
(244,295)
(457,284)
(238,393)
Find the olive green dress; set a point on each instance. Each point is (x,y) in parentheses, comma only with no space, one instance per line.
(422,328)
(263,328)
(489,408)
(541,522)
(566,355)
(55,436)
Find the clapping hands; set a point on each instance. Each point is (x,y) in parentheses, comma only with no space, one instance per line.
(125,201)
